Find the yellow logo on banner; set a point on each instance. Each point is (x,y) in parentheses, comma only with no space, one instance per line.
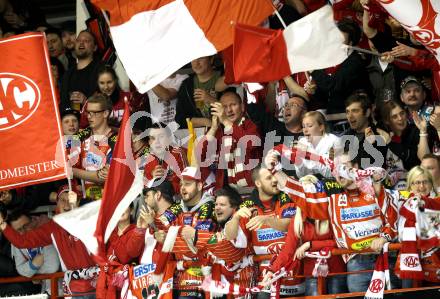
(94,192)
(362,244)
(195,271)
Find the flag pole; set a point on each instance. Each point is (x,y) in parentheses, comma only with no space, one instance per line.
(69,172)
(104,14)
(280,18)
(69,183)
(376,54)
(278,14)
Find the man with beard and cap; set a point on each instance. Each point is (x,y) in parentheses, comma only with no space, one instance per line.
(158,213)
(161,210)
(264,219)
(197,216)
(81,81)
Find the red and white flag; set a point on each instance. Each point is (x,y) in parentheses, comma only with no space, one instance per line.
(153,39)
(420,18)
(93,223)
(124,183)
(31,150)
(311,43)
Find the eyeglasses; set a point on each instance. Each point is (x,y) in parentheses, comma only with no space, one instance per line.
(419,183)
(94,113)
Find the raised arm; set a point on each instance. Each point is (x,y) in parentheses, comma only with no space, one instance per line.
(38,237)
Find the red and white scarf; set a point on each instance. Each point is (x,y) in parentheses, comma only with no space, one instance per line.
(321,265)
(362,177)
(235,158)
(381,276)
(410,265)
(272,286)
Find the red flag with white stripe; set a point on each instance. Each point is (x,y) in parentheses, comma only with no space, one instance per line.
(311,43)
(124,183)
(93,223)
(153,39)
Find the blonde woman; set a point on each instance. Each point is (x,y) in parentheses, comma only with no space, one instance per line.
(318,141)
(420,182)
(415,202)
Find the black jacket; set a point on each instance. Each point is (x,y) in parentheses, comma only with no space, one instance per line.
(84,80)
(406,147)
(267,123)
(186,106)
(335,89)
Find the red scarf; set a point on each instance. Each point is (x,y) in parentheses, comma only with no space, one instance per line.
(224,287)
(381,276)
(410,266)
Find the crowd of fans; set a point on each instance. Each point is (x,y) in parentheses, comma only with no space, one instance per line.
(243,206)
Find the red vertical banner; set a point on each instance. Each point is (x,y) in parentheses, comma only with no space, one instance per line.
(31,151)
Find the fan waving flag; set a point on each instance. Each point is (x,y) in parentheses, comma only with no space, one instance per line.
(153,39)
(311,43)
(94,222)
(124,183)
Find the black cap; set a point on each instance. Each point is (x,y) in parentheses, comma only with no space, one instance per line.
(410,79)
(164,186)
(71,111)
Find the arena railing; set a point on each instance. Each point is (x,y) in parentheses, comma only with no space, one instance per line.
(321,285)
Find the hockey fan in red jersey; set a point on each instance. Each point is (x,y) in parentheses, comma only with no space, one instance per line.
(231,261)
(164,160)
(97,142)
(72,252)
(362,217)
(265,218)
(125,242)
(360,220)
(197,216)
(312,241)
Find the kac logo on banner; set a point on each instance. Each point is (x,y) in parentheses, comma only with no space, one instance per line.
(376,285)
(275,248)
(411,261)
(19,99)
